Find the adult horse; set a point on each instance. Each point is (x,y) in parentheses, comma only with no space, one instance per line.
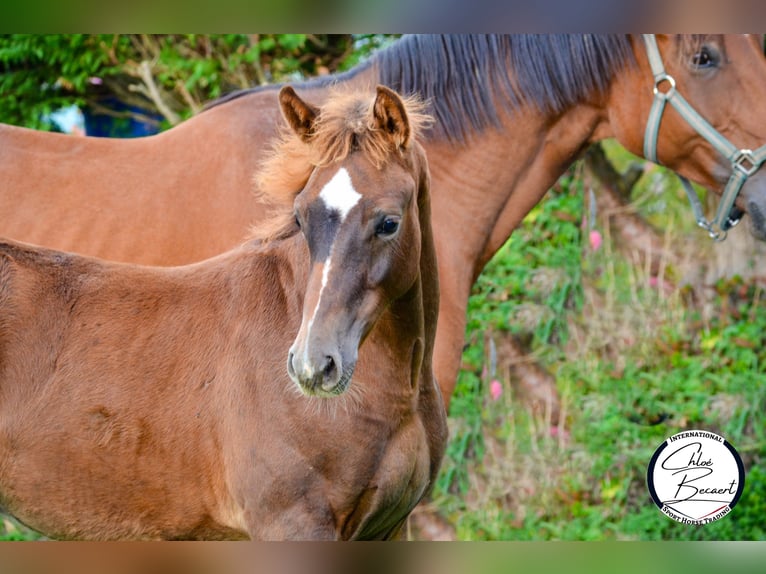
(512,113)
(149,402)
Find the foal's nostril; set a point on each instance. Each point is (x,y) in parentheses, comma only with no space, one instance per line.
(330,374)
(329,367)
(317,376)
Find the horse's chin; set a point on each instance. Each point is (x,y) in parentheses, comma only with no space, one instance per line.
(757,217)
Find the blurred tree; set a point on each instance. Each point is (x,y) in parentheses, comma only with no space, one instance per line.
(155,78)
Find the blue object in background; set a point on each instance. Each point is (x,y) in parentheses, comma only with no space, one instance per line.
(105,125)
(69,120)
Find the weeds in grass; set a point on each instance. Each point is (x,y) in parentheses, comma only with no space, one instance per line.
(636,360)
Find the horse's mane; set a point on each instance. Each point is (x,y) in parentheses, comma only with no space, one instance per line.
(461,75)
(344,125)
(464,73)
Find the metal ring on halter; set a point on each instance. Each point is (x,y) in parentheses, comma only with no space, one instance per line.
(719,235)
(716,236)
(664,78)
(745,155)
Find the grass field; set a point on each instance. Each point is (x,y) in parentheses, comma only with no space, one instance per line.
(635,361)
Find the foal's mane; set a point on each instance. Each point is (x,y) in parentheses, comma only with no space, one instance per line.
(345,124)
(466,76)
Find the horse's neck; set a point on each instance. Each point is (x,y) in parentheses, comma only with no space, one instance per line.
(485,187)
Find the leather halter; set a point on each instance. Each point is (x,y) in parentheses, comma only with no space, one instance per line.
(744,162)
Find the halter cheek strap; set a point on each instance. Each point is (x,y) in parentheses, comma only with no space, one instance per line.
(744,162)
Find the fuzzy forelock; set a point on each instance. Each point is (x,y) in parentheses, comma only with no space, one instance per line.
(345,124)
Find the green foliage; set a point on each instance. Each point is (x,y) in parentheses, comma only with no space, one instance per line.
(40,73)
(534,278)
(634,364)
(657,195)
(12,530)
(166,75)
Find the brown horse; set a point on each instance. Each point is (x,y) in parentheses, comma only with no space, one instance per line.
(512,113)
(149,402)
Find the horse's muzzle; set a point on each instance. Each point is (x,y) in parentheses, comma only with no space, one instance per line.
(757,220)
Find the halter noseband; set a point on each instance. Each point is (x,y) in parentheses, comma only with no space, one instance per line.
(744,162)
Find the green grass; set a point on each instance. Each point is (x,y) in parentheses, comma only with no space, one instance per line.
(633,363)
(12,530)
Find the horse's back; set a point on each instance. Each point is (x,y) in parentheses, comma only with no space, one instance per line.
(173,198)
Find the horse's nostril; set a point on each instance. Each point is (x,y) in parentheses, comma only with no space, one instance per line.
(290,368)
(755,214)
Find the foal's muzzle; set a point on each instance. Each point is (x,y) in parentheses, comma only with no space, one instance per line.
(322,375)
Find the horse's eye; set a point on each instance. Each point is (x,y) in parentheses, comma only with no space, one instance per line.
(387,226)
(705,58)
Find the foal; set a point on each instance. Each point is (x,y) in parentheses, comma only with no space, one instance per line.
(144,403)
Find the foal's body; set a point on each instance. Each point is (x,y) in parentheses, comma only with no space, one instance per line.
(180,427)
(140,402)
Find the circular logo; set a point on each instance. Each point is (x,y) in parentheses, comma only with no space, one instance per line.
(695,477)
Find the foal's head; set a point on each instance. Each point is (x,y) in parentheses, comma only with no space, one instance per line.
(358,212)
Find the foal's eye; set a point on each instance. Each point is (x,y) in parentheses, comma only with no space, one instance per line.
(705,58)
(387,226)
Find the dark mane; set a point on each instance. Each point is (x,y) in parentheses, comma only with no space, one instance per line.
(461,74)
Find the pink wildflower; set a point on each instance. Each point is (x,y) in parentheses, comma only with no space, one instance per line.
(495,389)
(559,432)
(595,239)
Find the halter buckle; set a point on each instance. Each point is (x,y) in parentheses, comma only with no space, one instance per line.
(716,235)
(659,79)
(745,162)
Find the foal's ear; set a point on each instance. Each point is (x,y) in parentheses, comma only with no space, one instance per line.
(390,115)
(299,114)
